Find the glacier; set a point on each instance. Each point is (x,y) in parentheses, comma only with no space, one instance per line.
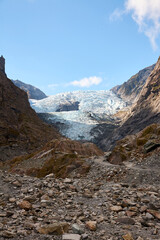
(94,107)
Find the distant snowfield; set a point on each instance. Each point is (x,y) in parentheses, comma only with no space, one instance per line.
(94,107)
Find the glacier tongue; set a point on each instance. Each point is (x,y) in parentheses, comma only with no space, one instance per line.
(94,107)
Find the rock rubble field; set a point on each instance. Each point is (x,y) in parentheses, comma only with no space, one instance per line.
(111,202)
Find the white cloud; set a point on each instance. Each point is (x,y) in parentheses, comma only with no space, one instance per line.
(146,13)
(87,82)
(117,14)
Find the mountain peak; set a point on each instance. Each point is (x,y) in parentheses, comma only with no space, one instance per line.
(2,64)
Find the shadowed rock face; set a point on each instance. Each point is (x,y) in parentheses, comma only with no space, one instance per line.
(32,92)
(20,128)
(143,113)
(130,90)
(68,107)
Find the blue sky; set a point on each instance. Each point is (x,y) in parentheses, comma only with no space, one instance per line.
(67,45)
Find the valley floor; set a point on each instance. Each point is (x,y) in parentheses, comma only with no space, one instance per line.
(119,201)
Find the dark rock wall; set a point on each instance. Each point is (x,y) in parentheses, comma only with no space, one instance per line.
(2,64)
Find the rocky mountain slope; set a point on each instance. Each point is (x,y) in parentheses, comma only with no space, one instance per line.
(143,113)
(32,92)
(20,128)
(129,91)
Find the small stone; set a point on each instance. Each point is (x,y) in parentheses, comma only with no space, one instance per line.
(128,237)
(9,213)
(1,226)
(130,213)
(84,236)
(125,220)
(150,145)
(139,238)
(25,205)
(77,229)
(149,216)
(29,225)
(155,231)
(124,203)
(51,175)
(143,209)
(15,216)
(67,180)
(91,225)
(144,223)
(3,214)
(56,228)
(71,237)
(45,197)
(154,213)
(12,200)
(17,184)
(7,234)
(116,208)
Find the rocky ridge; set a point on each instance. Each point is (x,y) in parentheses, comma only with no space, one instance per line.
(32,92)
(21,130)
(62,156)
(144,112)
(129,91)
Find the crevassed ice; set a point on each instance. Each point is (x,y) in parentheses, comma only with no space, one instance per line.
(94,101)
(93,106)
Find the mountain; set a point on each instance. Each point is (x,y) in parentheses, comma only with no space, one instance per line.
(130,90)
(32,92)
(28,145)
(137,146)
(144,112)
(85,115)
(77,113)
(21,130)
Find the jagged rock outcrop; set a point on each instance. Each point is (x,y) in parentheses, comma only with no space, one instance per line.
(138,146)
(129,91)
(143,113)
(2,64)
(32,92)
(20,128)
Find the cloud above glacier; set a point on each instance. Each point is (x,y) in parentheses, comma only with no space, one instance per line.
(87,82)
(146,13)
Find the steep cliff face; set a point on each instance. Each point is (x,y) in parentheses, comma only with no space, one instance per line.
(130,90)
(143,113)
(20,128)
(32,92)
